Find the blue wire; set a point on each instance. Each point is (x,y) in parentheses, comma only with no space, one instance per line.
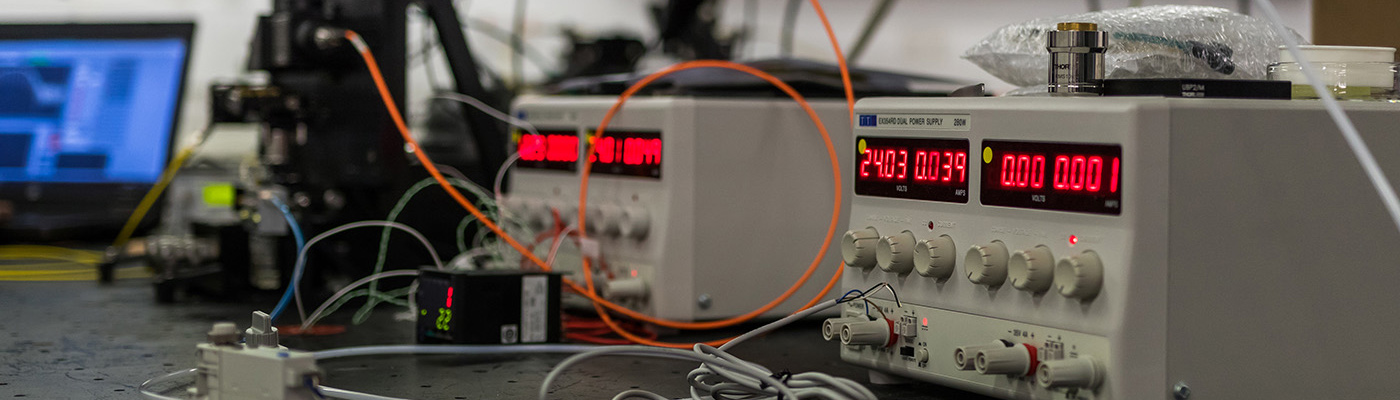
(301,244)
(848,294)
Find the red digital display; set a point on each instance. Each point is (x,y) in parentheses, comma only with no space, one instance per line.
(912,168)
(556,150)
(617,153)
(1056,176)
(628,153)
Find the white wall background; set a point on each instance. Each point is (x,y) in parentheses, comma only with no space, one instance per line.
(922,36)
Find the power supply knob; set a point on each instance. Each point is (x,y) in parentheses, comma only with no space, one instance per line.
(1032,270)
(1079,276)
(896,253)
(603,220)
(986,264)
(921,355)
(935,258)
(636,222)
(858,247)
(1082,372)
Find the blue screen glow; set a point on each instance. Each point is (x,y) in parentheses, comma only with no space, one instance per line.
(88,110)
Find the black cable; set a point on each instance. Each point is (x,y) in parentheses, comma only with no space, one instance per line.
(875,20)
(789,25)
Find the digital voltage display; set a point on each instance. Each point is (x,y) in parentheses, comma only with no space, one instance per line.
(553,150)
(912,168)
(628,153)
(1053,176)
(618,153)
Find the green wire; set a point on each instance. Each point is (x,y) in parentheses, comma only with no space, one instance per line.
(375,297)
(462,233)
(391,297)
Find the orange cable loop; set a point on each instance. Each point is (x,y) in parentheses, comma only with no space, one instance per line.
(599,302)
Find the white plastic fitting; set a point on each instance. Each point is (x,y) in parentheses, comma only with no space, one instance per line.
(831,328)
(868,333)
(261,333)
(965,357)
(1082,372)
(626,288)
(1016,360)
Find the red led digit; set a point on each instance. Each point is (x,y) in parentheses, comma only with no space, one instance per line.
(1076,173)
(532,147)
(1037,172)
(651,155)
(919,158)
(903,164)
(960,162)
(449,297)
(1061,179)
(1094,174)
(889,166)
(561,148)
(1023,168)
(947,167)
(1008,163)
(605,151)
(1113,179)
(865,163)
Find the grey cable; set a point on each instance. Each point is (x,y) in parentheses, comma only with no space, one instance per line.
(517,44)
(789,26)
(872,23)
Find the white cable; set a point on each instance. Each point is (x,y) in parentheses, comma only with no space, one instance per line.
(724,375)
(301,257)
(316,315)
(350,395)
(501,174)
(1353,138)
(558,242)
(494,113)
(365,351)
(146,393)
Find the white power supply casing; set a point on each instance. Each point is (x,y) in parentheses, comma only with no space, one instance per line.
(730,211)
(1242,254)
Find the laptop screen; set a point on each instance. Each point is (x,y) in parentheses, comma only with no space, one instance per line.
(88,110)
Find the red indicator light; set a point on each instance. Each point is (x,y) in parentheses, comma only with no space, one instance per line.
(634,273)
(925,322)
(449,298)
(1073,240)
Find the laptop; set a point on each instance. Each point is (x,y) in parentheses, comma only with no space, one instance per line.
(88,117)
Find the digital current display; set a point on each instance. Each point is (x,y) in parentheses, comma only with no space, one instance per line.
(912,168)
(1053,176)
(618,153)
(628,153)
(555,150)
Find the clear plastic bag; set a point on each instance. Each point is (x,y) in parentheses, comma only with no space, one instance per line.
(1143,42)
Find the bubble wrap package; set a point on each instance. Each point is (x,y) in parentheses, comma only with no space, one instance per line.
(1143,42)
